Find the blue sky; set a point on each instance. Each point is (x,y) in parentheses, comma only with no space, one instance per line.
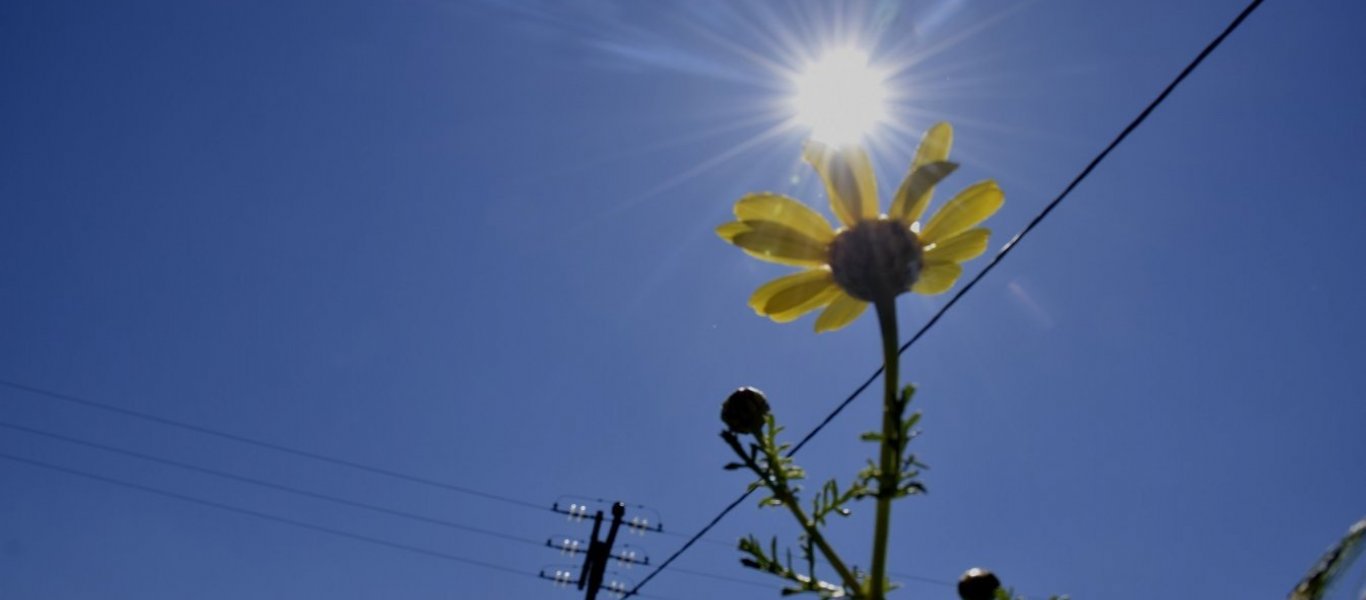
(472,242)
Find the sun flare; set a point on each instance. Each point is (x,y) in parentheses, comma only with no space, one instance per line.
(840,97)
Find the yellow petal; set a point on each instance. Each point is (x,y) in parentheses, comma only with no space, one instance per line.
(967,209)
(772,242)
(842,311)
(965,246)
(914,194)
(937,277)
(849,180)
(934,147)
(728,231)
(789,297)
(786,211)
(819,300)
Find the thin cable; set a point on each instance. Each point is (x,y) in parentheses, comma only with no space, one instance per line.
(714,541)
(273,486)
(1005,250)
(277,519)
(732,545)
(267,445)
(319,496)
(683,571)
(922,579)
(266,516)
(688,544)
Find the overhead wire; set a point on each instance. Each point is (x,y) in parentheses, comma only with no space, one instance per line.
(293,522)
(265,516)
(330,498)
(728,578)
(283,488)
(270,485)
(995,260)
(732,545)
(242,439)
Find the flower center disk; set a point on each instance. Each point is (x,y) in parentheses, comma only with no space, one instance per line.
(876,260)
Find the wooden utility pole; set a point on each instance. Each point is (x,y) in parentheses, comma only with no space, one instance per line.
(599,552)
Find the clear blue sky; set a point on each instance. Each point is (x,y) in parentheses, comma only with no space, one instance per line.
(472,241)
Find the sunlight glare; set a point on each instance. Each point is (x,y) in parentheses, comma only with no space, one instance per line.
(840,97)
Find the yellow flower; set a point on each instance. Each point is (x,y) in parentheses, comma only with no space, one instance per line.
(873,257)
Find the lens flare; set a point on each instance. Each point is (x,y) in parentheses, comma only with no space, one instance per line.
(840,97)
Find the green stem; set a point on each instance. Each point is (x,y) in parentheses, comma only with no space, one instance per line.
(890,468)
(814,535)
(773,479)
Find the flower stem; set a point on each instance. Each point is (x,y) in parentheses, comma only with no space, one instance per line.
(773,479)
(814,534)
(889,471)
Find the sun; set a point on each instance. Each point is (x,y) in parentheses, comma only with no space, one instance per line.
(840,97)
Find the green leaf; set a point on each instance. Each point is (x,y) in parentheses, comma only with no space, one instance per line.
(911,420)
(907,393)
(1332,564)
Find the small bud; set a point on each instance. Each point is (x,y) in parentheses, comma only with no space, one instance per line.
(978,584)
(744,411)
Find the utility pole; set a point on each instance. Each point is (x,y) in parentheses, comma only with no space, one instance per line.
(593,575)
(599,551)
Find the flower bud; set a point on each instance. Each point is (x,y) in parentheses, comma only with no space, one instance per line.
(744,411)
(978,584)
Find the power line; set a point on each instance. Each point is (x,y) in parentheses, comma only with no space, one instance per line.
(270,485)
(267,445)
(300,492)
(266,516)
(688,544)
(270,446)
(278,519)
(708,540)
(728,578)
(732,545)
(1005,250)
(922,579)
(1048,208)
